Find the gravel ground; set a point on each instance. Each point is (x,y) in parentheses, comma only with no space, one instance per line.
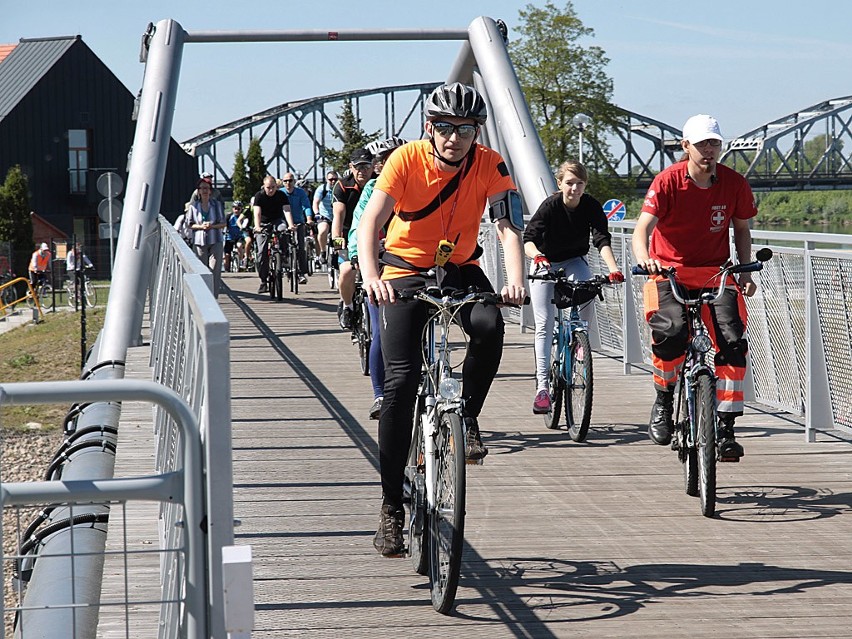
(25,457)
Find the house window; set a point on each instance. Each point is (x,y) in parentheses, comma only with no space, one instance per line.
(78,159)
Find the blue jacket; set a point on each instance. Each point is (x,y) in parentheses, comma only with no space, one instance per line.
(300,205)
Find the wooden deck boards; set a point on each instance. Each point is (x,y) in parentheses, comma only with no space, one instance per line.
(563,539)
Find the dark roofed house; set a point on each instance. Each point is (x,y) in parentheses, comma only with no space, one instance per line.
(66,119)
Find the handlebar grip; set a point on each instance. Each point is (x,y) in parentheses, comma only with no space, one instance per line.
(751,267)
(639,270)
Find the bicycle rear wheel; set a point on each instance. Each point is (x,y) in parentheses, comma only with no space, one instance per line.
(705,401)
(446,520)
(365,334)
(415,478)
(579,396)
(555,386)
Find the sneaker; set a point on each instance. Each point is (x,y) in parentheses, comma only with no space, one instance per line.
(728,447)
(388,540)
(474,449)
(303,279)
(346,318)
(661,426)
(541,403)
(263,288)
(376,408)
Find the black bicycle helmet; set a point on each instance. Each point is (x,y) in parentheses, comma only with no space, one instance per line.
(456,100)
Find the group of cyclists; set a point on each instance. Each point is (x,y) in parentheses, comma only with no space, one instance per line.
(407,215)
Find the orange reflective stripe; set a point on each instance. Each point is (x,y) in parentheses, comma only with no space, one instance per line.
(651,298)
(666,372)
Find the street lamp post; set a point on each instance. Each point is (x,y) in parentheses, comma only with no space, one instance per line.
(581,121)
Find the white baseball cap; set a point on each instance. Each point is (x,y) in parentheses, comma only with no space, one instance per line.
(44,246)
(701,127)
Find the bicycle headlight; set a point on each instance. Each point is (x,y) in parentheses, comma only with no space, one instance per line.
(449,388)
(702,343)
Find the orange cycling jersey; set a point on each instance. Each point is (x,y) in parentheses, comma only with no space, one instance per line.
(412,180)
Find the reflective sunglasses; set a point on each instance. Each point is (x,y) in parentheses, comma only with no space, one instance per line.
(705,143)
(446,130)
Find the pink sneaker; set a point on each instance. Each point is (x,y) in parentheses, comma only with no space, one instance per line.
(541,403)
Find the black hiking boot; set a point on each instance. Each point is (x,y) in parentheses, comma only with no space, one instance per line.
(388,540)
(661,426)
(729,449)
(474,449)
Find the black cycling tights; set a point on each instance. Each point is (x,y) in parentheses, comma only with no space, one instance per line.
(402,329)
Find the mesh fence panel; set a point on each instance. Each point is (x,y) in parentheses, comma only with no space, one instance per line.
(834,307)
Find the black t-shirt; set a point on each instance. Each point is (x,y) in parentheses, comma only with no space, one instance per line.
(271,206)
(561,233)
(347,191)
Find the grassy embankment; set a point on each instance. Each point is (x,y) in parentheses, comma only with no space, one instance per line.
(49,351)
(795,208)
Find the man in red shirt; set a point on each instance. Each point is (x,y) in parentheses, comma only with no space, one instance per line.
(686,216)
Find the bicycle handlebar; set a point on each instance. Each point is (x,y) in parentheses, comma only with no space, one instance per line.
(559,276)
(763,255)
(450,296)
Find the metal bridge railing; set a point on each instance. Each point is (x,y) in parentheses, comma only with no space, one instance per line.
(190,354)
(192,480)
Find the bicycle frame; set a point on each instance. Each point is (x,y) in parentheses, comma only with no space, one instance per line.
(437,369)
(567,324)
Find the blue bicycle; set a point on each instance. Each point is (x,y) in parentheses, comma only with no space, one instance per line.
(571,376)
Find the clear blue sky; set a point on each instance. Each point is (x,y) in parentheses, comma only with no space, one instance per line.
(747,61)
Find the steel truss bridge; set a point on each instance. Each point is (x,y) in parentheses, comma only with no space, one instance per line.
(802,151)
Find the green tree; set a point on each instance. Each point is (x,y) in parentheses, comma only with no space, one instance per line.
(240,181)
(256,166)
(352,136)
(561,78)
(16,225)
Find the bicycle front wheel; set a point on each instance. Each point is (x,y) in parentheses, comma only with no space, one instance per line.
(293,271)
(578,404)
(365,334)
(446,519)
(706,415)
(276,277)
(91,294)
(687,453)
(415,482)
(555,386)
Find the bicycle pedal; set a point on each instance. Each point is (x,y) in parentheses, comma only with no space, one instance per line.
(730,459)
(474,462)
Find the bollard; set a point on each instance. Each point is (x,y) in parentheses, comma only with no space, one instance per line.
(238,590)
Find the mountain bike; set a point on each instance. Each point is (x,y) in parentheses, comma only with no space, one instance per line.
(694,417)
(362,329)
(291,260)
(86,290)
(435,482)
(571,375)
(274,249)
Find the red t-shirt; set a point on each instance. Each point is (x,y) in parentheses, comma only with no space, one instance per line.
(412,180)
(692,226)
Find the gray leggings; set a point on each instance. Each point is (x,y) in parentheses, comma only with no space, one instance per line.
(541,296)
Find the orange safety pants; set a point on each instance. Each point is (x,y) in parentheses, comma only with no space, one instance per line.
(725,320)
